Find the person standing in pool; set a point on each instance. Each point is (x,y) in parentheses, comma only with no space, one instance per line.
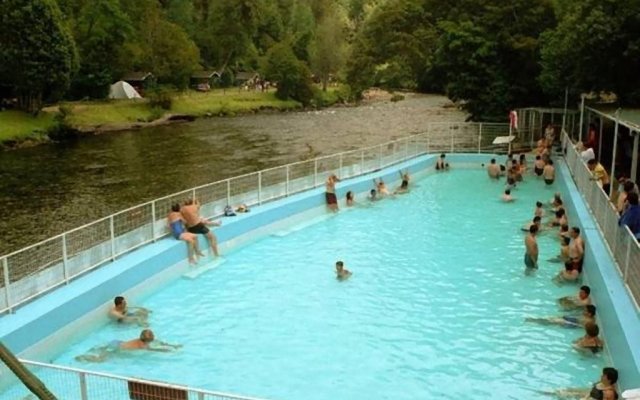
(531,250)
(198,225)
(538,166)
(144,342)
(330,192)
(120,312)
(549,173)
(493,169)
(341,272)
(605,389)
(404,186)
(576,248)
(440,163)
(350,198)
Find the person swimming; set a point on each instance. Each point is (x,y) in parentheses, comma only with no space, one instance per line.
(341,272)
(575,302)
(563,257)
(440,163)
(144,342)
(350,198)
(605,389)
(506,197)
(569,321)
(590,342)
(121,313)
(404,186)
(373,195)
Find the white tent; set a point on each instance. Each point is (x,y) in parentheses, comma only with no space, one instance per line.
(122,90)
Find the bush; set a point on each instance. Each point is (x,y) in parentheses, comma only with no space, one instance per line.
(397,97)
(61,129)
(156,113)
(160,97)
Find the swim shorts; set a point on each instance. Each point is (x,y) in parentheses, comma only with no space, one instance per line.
(331,198)
(538,171)
(200,229)
(529,263)
(548,181)
(571,319)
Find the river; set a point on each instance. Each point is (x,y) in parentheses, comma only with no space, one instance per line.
(48,189)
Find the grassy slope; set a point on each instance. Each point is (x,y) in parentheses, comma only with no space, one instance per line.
(17,124)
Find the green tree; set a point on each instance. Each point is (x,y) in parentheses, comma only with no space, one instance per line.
(293,76)
(595,47)
(328,48)
(37,51)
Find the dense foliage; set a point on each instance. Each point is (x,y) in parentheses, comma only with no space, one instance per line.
(489,55)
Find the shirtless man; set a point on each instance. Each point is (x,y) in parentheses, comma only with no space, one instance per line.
(99,354)
(330,192)
(531,253)
(382,188)
(507,197)
(549,173)
(573,302)
(538,166)
(493,169)
(123,314)
(341,272)
(569,321)
(198,225)
(576,248)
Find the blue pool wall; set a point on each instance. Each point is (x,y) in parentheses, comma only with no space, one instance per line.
(37,329)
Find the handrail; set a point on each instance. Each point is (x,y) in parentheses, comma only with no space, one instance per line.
(111,377)
(103,240)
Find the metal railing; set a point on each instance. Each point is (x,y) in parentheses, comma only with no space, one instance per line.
(36,269)
(73,383)
(621,242)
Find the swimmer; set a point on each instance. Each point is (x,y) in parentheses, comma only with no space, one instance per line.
(373,195)
(493,169)
(575,302)
(538,211)
(350,198)
(564,232)
(559,219)
(570,273)
(538,166)
(144,342)
(569,321)
(382,188)
(556,202)
(506,197)
(549,173)
(330,192)
(605,389)
(537,221)
(563,257)
(440,164)
(531,250)
(404,186)
(511,183)
(590,342)
(120,312)
(341,272)
(523,163)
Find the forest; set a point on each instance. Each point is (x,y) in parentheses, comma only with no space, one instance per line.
(488,55)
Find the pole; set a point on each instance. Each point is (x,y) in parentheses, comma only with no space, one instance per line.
(615,148)
(65,266)
(480,138)
(510,130)
(113,238)
(259,187)
(634,157)
(566,101)
(287,184)
(581,116)
(7,285)
(600,140)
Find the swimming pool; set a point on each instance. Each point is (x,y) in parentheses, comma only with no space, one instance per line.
(435,307)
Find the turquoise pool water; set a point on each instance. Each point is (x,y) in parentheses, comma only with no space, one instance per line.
(435,307)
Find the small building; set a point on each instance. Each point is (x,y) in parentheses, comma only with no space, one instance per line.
(246,78)
(139,80)
(204,80)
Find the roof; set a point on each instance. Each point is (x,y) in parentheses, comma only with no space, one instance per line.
(137,76)
(245,76)
(629,117)
(205,74)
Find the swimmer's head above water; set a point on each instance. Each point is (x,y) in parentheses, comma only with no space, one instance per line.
(147,336)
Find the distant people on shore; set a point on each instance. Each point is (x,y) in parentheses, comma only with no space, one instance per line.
(146,341)
(631,215)
(330,192)
(179,232)
(122,313)
(341,272)
(197,225)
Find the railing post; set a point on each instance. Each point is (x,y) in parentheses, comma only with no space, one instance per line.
(7,285)
(406,148)
(83,386)
(480,138)
(286,189)
(200,396)
(153,220)
(315,172)
(228,191)
(113,238)
(340,170)
(193,194)
(380,157)
(259,187)
(625,273)
(362,170)
(451,134)
(65,266)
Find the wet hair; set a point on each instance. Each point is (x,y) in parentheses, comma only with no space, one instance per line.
(537,219)
(592,329)
(373,192)
(591,309)
(564,228)
(442,155)
(522,156)
(507,191)
(611,374)
(349,195)
(538,204)
(538,157)
(628,186)
(493,161)
(533,228)
(118,300)
(560,213)
(566,240)
(339,264)
(510,155)
(175,207)
(550,162)
(511,181)
(632,198)
(576,230)
(586,289)
(144,336)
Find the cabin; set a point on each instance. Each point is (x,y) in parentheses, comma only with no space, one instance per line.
(140,81)
(203,81)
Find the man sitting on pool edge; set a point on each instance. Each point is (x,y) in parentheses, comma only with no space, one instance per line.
(123,314)
(99,354)
(341,272)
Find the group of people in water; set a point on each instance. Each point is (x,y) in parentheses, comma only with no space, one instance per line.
(579,312)
(122,314)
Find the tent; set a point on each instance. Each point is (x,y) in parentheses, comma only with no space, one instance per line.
(122,90)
